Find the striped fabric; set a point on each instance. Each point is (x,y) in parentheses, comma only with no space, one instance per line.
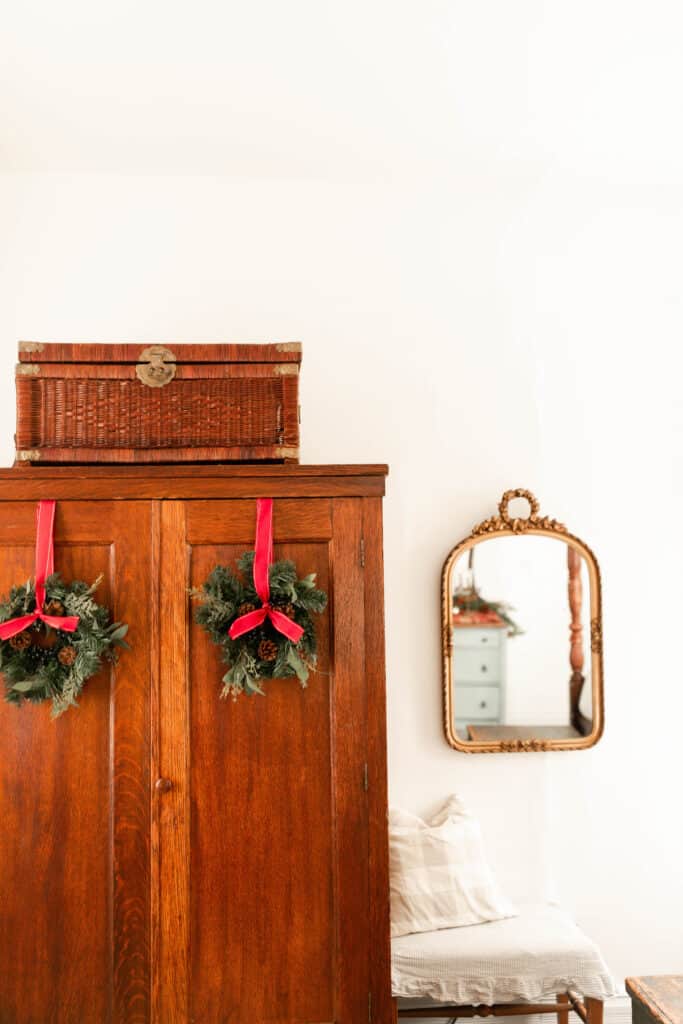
(439,875)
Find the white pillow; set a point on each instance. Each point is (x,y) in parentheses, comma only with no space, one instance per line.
(439,875)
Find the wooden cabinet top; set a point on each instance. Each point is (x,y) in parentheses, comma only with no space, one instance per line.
(661,997)
(191,481)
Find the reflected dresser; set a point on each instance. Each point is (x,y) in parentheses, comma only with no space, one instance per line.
(479,666)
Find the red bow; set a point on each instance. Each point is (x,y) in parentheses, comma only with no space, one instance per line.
(45,519)
(263,557)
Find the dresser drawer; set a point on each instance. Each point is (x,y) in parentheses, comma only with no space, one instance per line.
(474,666)
(474,703)
(473,636)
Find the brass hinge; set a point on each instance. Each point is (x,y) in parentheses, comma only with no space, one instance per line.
(28,455)
(362,552)
(31,346)
(288,346)
(286,369)
(366,781)
(27,369)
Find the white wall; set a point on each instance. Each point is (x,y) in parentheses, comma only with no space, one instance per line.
(472,216)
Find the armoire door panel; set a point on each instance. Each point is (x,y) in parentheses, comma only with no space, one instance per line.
(74,797)
(295,520)
(261,862)
(277,888)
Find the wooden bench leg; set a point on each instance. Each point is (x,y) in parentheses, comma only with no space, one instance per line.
(563,1014)
(594,1008)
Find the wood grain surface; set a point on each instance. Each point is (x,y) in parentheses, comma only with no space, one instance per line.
(91,352)
(171,858)
(74,799)
(660,997)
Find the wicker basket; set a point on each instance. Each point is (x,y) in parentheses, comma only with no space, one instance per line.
(133,403)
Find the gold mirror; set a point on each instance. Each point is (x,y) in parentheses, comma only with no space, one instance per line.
(521,635)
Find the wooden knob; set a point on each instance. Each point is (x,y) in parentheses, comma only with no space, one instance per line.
(163,785)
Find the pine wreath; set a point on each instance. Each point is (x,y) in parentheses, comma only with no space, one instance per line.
(264,652)
(42,663)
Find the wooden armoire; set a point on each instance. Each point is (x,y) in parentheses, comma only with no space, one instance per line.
(169,857)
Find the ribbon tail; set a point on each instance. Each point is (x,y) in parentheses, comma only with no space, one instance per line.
(247,622)
(66,623)
(45,521)
(283,624)
(263,548)
(14,626)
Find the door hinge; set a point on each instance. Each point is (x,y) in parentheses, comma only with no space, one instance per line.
(366,782)
(362,552)
(369,1006)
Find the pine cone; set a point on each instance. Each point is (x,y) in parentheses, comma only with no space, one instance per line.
(287,609)
(267,650)
(67,656)
(245,608)
(54,607)
(44,638)
(20,641)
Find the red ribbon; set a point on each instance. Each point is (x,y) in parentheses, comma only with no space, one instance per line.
(263,557)
(45,520)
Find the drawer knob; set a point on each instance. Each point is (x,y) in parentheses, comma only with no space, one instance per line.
(482,704)
(484,668)
(163,785)
(484,639)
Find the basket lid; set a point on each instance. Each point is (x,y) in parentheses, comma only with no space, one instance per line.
(87,352)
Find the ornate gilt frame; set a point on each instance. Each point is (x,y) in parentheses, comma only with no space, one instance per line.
(502,525)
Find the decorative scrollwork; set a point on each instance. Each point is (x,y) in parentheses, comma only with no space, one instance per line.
(596,636)
(503,520)
(514,746)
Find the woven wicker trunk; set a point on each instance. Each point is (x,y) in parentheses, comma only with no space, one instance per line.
(134,403)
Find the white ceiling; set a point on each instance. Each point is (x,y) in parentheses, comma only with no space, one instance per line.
(352,89)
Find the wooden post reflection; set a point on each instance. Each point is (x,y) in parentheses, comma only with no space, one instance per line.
(576,654)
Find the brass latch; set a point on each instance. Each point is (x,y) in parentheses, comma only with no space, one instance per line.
(157,366)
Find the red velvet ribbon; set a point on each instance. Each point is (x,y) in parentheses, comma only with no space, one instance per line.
(45,520)
(263,557)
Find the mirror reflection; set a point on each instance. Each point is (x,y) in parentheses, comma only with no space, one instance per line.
(519,640)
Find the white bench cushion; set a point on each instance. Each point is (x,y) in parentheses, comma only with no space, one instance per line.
(520,959)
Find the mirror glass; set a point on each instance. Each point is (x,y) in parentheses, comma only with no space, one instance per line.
(522,641)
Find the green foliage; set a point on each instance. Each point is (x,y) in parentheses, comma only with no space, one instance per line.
(35,674)
(219,601)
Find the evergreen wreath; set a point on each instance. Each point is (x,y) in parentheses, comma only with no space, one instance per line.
(262,653)
(42,663)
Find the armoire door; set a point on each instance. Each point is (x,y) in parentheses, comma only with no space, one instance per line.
(74,793)
(261,882)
